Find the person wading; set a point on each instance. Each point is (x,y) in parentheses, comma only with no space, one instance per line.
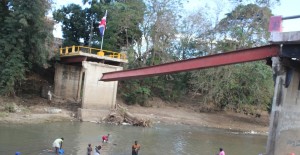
(222,152)
(105,138)
(57,144)
(135,148)
(89,149)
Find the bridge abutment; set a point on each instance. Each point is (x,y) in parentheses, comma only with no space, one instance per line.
(284,131)
(98,97)
(80,84)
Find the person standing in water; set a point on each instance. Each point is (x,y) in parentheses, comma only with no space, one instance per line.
(89,149)
(97,150)
(57,144)
(135,148)
(222,152)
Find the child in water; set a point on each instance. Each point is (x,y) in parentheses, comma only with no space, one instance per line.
(105,138)
(97,150)
(89,149)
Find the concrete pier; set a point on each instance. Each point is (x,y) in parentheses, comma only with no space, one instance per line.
(284,131)
(98,97)
(77,79)
(284,136)
(66,81)
(81,83)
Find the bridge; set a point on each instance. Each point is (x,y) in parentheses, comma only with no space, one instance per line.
(77,77)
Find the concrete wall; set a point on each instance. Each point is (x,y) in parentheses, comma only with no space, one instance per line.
(98,97)
(67,81)
(92,115)
(98,94)
(284,132)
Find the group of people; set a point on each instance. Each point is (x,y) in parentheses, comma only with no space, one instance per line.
(97,148)
(57,145)
(90,149)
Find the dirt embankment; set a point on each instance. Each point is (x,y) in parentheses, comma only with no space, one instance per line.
(38,110)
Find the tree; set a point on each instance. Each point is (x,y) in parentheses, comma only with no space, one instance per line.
(75,25)
(247,24)
(267,3)
(159,28)
(237,86)
(193,36)
(123,20)
(123,24)
(25,33)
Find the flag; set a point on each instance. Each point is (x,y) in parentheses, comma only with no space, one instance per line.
(275,24)
(102,25)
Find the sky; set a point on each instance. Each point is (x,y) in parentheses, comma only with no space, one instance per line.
(285,8)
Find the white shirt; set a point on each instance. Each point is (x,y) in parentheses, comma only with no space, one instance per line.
(57,142)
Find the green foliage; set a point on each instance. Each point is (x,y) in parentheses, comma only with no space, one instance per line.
(129,23)
(3,114)
(75,24)
(124,19)
(258,2)
(247,25)
(135,92)
(170,87)
(24,32)
(123,22)
(10,107)
(235,85)
(238,87)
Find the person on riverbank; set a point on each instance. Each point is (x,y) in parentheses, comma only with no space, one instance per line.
(57,144)
(222,152)
(135,148)
(105,138)
(97,150)
(89,149)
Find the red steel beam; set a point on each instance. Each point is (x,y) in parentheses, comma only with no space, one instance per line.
(239,56)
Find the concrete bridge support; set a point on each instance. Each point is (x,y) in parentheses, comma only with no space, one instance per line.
(66,81)
(98,97)
(284,132)
(81,83)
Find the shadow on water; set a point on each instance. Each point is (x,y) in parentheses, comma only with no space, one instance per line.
(36,139)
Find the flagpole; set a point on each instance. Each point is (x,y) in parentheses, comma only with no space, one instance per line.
(103,31)
(102,43)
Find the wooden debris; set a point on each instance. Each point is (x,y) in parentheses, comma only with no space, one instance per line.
(121,115)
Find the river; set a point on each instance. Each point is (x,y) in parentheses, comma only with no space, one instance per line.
(36,139)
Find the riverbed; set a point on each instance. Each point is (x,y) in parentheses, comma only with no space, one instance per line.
(36,139)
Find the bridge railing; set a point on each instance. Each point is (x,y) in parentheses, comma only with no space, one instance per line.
(73,50)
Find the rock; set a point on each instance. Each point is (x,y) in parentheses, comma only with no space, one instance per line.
(124,123)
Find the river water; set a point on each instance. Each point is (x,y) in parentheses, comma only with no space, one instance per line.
(36,139)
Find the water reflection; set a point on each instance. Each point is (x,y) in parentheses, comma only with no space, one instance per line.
(35,139)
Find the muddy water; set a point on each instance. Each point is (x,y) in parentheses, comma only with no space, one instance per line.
(37,139)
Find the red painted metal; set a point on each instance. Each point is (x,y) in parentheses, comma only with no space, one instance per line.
(239,56)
